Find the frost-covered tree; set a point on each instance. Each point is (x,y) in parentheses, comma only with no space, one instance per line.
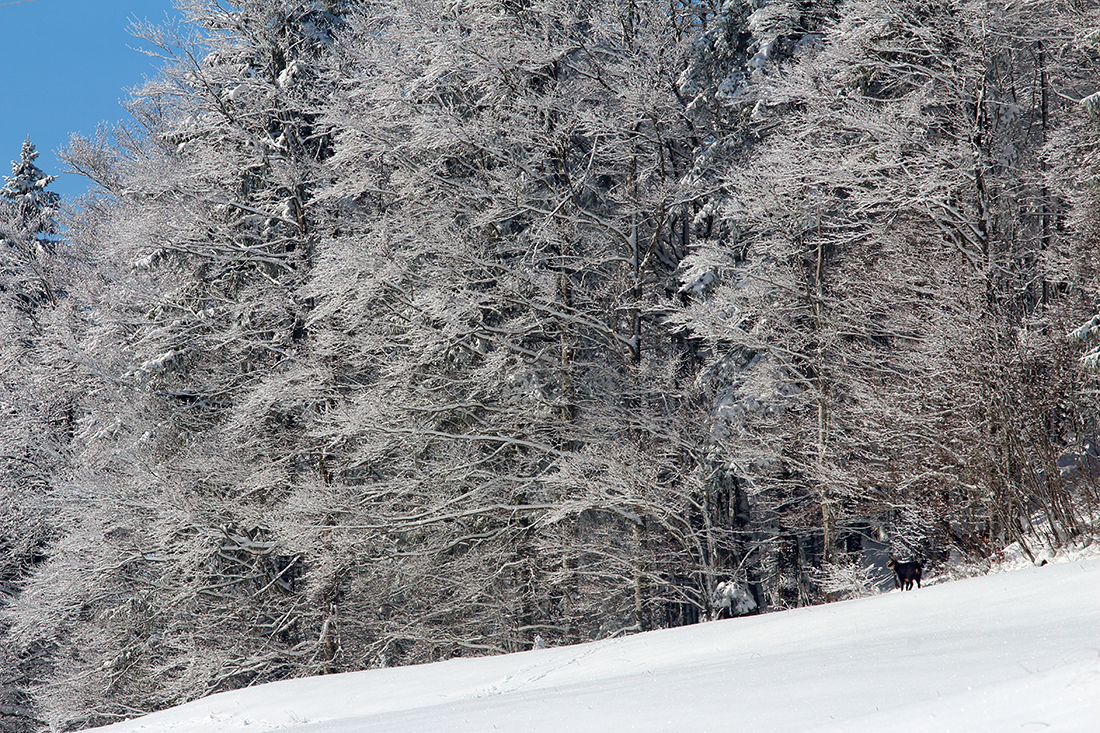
(873,301)
(25,191)
(168,585)
(429,409)
(30,220)
(729,76)
(37,402)
(509,433)
(1073,212)
(738,54)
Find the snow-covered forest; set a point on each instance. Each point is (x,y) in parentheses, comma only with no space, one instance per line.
(398,331)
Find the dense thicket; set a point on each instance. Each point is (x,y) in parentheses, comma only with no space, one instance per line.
(397,331)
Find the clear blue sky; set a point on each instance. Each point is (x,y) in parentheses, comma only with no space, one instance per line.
(64,67)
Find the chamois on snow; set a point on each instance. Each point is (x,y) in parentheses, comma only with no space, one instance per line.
(905,572)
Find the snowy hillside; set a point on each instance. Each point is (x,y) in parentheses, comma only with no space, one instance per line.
(1015,651)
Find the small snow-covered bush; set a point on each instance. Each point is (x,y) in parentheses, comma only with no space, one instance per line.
(732,599)
(852,579)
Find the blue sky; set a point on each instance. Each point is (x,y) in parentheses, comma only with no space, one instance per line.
(64,67)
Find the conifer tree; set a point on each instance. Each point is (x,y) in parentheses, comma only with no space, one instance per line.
(30,214)
(25,191)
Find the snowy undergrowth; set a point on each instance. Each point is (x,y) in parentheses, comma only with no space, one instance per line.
(1041,549)
(867,575)
(853,579)
(1015,557)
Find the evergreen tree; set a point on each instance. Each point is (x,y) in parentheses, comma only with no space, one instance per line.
(29,212)
(25,191)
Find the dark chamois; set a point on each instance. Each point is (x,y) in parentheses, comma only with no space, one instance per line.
(906,573)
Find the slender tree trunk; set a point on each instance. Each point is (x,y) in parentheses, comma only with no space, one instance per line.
(640,591)
(828,519)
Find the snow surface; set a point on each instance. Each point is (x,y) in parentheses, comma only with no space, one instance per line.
(1015,651)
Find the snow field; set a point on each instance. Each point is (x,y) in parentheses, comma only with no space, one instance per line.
(1013,651)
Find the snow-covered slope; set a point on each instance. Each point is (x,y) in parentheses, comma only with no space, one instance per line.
(1016,651)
